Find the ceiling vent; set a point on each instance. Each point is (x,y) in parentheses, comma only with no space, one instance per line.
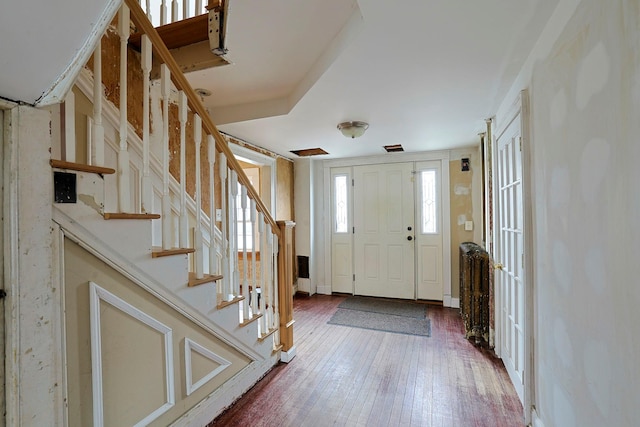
(307,152)
(393,148)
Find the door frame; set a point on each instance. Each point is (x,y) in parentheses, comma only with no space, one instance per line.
(519,106)
(443,156)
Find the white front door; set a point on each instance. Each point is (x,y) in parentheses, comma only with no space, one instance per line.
(429,230)
(384,230)
(509,273)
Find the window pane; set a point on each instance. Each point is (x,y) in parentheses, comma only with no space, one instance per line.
(428,197)
(341,209)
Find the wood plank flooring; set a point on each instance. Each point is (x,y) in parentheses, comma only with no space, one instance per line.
(346,376)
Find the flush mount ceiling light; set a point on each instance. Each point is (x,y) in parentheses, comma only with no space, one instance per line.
(353,129)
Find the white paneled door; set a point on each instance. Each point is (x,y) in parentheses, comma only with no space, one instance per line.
(509,273)
(384,249)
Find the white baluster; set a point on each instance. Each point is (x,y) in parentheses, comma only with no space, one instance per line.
(147,187)
(174,11)
(124,190)
(70,127)
(165,87)
(197,239)
(213,261)
(148,9)
(268,291)
(186,12)
(226,281)
(233,231)
(163,12)
(198,9)
(184,219)
(264,328)
(254,254)
(245,264)
(274,299)
(97,129)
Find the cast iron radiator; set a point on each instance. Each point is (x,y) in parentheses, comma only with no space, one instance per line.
(474,291)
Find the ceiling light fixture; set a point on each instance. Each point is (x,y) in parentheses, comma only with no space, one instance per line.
(353,129)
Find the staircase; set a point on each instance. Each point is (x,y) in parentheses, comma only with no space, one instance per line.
(151,189)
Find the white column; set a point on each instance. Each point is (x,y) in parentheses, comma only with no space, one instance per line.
(97,129)
(165,87)
(70,127)
(124,189)
(184,219)
(147,187)
(197,239)
(213,259)
(245,264)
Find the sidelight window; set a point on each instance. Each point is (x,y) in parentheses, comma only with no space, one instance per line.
(428,195)
(340,204)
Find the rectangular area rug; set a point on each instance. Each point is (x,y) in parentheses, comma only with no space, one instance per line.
(402,317)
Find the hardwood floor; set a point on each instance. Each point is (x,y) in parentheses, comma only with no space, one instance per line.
(355,377)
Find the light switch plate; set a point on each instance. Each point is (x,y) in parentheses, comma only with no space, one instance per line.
(468,226)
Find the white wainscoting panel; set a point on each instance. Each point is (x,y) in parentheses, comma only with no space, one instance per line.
(98,294)
(189,346)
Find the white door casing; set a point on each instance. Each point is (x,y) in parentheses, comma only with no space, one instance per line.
(428,231)
(509,253)
(383,244)
(333,167)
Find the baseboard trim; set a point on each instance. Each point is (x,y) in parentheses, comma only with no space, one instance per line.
(535,419)
(323,290)
(287,356)
(224,396)
(451,302)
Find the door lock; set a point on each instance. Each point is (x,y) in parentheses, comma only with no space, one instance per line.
(409,238)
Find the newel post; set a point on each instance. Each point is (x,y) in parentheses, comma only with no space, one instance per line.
(285,289)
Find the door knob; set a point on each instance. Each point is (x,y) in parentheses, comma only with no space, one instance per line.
(409,228)
(498,266)
(409,237)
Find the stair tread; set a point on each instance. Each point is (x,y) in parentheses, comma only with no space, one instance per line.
(159,252)
(120,215)
(252,319)
(208,278)
(61,164)
(270,332)
(180,33)
(222,303)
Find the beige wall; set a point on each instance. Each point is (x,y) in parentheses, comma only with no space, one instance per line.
(132,352)
(284,189)
(465,189)
(584,151)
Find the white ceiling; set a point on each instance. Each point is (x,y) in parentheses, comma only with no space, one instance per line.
(423,73)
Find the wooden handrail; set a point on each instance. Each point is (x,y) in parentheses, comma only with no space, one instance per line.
(145,26)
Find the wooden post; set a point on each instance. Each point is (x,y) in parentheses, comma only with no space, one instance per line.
(264,327)
(254,254)
(233,231)
(285,288)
